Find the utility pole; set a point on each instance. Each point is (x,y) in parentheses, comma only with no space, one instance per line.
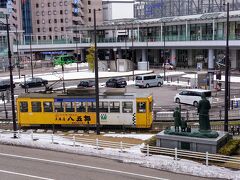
(227,96)
(96,74)
(11,81)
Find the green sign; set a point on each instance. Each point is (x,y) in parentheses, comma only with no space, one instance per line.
(103,117)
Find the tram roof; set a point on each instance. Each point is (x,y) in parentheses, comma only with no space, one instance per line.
(101,95)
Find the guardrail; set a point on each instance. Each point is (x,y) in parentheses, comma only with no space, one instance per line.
(193,115)
(97,144)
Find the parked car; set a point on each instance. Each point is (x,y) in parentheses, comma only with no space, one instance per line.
(168,66)
(5,84)
(149,80)
(192,96)
(116,82)
(86,83)
(33,82)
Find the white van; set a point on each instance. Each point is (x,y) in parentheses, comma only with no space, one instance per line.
(149,80)
(192,96)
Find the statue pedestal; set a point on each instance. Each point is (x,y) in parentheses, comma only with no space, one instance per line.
(191,143)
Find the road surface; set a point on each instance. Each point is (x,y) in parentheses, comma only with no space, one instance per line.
(24,163)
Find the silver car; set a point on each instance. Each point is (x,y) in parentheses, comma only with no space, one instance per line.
(149,80)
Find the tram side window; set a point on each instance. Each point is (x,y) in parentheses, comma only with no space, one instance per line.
(36,106)
(81,106)
(141,107)
(23,106)
(103,107)
(114,107)
(91,106)
(48,106)
(69,106)
(58,106)
(127,107)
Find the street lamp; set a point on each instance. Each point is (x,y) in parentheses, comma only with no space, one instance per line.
(31,54)
(11,80)
(227,95)
(164,44)
(96,73)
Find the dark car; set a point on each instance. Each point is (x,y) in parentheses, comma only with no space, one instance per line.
(33,82)
(116,82)
(5,84)
(86,83)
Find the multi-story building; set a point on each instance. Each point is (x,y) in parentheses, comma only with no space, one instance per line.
(145,9)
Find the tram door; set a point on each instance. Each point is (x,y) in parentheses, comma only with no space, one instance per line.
(143,113)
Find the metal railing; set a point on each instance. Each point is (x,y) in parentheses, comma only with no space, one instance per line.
(77,142)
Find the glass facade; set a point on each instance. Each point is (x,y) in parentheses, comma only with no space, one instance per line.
(3,3)
(27,19)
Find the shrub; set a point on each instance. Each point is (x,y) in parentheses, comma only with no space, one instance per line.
(230,148)
(152,141)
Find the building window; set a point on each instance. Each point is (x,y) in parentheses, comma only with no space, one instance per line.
(66,11)
(89,11)
(38,29)
(69,106)
(43,13)
(61,3)
(38,21)
(89,19)
(39,37)
(62,28)
(37,5)
(50,21)
(61,11)
(66,20)
(44,30)
(65,3)
(49,4)
(89,2)
(42,4)
(43,21)
(37,13)
(55,20)
(49,12)
(54,4)
(55,29)
(50,29)
(61,20)
(56,37)
(54,12)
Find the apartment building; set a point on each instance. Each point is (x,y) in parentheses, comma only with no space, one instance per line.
(53,19)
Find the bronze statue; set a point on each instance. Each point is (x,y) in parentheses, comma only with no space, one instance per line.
(203,111)
(183,125)
(177,119)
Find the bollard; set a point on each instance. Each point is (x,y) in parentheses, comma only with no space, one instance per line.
(52,139)
(121,147)
(74,141)
(97,143)
(171,79)
(188,82)
(18,134)
(206,158)
(175,154)
(147,150)
(178,80)
(32,135)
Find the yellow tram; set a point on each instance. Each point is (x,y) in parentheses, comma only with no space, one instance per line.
(77,108)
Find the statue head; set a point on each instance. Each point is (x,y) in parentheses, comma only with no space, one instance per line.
(203,96)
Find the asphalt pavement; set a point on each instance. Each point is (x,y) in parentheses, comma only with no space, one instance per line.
(24,163)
